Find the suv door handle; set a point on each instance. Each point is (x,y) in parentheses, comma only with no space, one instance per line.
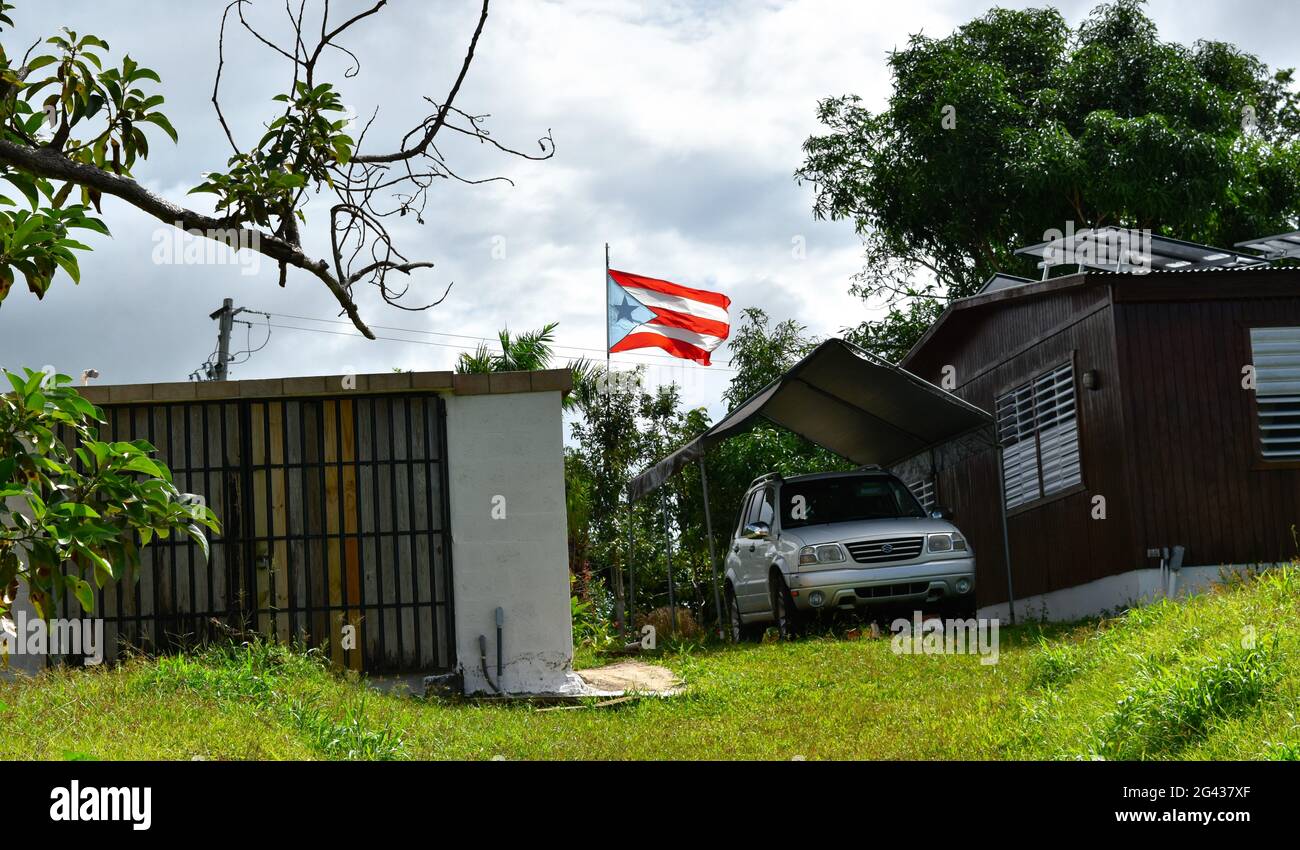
(736,548)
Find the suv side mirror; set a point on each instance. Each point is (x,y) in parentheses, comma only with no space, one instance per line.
(941,513)
(757,530)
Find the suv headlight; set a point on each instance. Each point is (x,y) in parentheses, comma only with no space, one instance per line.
(945,542)
(827,553)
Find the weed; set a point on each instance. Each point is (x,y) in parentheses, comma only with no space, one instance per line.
(349,737)
(1055,664)
(1168,708)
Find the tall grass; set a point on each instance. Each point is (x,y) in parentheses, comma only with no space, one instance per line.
(1213,677)
(1168,708)
(264,676)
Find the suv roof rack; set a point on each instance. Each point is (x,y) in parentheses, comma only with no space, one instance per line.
(771,476)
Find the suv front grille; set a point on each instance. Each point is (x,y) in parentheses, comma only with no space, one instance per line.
(914,588)
(886,550)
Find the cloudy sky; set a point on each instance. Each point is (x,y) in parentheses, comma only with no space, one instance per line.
(677,126)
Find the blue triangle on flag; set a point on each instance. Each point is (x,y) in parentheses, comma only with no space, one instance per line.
(625,312)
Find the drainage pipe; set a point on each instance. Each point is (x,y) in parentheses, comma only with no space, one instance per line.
(482,660)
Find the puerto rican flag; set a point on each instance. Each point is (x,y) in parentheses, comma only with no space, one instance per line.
(648,313)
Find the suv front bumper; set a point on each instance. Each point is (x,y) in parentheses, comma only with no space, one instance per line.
(930,581)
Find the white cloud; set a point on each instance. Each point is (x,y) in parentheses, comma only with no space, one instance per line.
(678,127)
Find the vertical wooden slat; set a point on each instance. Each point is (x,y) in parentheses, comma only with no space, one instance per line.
(333,556)
(277,520)
(351,545)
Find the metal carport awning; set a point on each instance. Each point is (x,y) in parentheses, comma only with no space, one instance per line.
(846,400)
(850,402)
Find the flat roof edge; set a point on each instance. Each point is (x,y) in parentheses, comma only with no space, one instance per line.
(327,386)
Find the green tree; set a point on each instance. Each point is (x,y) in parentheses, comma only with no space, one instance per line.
(761,353)
(520,353)
(75,509)
(527,352)
(622,428)
(1016,124)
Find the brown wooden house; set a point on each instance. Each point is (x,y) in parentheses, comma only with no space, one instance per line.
(1136,413)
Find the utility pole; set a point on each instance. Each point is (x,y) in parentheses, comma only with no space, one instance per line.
(220,370)
(226,320)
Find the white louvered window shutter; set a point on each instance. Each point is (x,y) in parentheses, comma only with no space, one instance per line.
(923,490)
(1015,412)
(1058,430)
(1275,353)
(1039,430)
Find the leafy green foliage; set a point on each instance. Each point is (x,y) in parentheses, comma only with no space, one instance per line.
(1016,124)
(523,352)
(298,149)
(591,628)
(47,101)
(73,508)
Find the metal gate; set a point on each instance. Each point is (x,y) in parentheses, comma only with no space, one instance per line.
(334,528)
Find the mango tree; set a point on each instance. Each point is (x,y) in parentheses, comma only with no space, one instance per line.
(74,509)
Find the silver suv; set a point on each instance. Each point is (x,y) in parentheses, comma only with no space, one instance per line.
(841,540)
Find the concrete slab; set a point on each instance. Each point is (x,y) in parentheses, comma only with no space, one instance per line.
(630,676)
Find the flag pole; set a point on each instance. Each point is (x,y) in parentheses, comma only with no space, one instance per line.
(616,579)
(607,342)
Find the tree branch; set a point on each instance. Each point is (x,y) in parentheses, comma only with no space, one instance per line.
(54,166)
(441,116)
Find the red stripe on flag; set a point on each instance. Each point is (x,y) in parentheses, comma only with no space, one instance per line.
(628,279)
(673,346)
(673,319)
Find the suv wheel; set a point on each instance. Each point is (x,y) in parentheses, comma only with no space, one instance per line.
(787,616)
(737,629)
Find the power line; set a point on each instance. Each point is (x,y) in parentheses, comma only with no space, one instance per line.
(672,362)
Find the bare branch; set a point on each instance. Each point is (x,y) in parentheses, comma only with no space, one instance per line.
(438,120)
(54,166)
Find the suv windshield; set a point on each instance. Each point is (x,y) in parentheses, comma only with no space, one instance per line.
(846,500)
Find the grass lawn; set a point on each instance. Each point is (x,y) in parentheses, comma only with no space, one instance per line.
(1215,677)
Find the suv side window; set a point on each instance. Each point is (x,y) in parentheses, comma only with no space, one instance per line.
(746,512)
(767,507)
(751,515)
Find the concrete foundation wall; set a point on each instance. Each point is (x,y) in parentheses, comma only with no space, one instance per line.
(1112,593)
(510,446)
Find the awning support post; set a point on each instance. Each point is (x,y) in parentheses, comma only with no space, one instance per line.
(630,623)
(708,531)
(1002,513)
(668,560)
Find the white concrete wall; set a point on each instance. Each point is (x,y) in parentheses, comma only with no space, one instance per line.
(1111,594)
(510,445)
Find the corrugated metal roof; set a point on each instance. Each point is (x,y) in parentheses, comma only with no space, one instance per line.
(1275,247)
(1123,249)
(1195,270)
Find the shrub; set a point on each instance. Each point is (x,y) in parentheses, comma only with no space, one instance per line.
(589,628)
(73,507)
(662,621)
